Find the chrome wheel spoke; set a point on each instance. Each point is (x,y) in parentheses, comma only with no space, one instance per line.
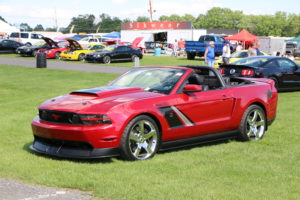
(134,138)
(137,151)
(150,134)
(260,123)
(254,116)
(142,127)
(148,149)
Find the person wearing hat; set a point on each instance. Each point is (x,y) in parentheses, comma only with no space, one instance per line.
(209,54)
(226,53)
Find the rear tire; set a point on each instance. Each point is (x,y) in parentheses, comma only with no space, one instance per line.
(190,56)
(107,60)
(253,124)
(81,57)
(140,139)
(133,57)
(57,54)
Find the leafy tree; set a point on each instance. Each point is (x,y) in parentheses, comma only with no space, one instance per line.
(142,19)
(83,23)
(1,18)
(49,29)
(109,24)
(25,27)
(39,27)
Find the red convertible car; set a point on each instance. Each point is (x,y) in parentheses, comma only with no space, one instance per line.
(55,48)
(154,108)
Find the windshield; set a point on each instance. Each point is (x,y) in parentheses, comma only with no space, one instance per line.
(39,44)
(252,61)
(239,54)
(160,80)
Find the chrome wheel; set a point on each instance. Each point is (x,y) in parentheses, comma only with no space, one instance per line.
(143,139)
(256,123)
(107,60)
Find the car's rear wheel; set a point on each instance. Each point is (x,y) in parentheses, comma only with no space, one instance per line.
(253,124)
(34,53)
(107,59)
(57,54)
(81,57)
(133,57)
(140,139)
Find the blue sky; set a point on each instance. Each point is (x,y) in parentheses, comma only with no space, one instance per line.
(43,11)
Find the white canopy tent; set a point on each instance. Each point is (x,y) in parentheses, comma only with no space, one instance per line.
(5,28)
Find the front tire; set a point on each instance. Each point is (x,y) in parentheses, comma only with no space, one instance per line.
(253,124)
(140,139)
(107,60)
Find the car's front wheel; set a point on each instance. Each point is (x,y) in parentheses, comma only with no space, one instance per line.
(107,59)
(253,124)
(140,139)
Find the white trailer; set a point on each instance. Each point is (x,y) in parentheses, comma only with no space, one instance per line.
(272,45)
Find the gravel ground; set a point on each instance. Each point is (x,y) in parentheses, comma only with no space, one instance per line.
(16,190)
(85,67)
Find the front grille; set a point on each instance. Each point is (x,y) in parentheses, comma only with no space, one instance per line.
(65,143)
(59,117)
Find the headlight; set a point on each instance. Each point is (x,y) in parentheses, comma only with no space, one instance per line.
(90,119)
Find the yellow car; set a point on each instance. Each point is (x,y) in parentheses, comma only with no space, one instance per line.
(238,55)
(78,52)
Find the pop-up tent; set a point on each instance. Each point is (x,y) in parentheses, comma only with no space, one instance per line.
(112,35)
(296,39)
(6,28)
(243,36)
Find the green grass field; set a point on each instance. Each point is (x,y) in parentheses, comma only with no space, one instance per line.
(267,169)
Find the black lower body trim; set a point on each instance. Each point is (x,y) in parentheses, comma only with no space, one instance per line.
(198,140)
(72,152)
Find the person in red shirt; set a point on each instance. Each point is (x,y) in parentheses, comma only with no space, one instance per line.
(181,47)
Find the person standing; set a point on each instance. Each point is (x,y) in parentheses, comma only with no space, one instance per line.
(239,47)
(175,48)
(209,54)
(252,50)
(226,53)
(257,48)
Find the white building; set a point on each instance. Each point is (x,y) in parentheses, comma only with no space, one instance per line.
(6,29)
(160,31)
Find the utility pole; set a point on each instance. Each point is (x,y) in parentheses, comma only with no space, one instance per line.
(151,11)
(55,19)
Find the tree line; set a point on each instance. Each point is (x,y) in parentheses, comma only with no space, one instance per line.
(279,24)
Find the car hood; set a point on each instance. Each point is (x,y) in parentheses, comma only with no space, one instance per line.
(100,99)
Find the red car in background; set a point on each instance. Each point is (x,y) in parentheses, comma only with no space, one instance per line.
(55,48)
(154,108)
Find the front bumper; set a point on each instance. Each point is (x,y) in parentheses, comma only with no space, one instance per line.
(74,141)
(70,149)
(68,57)
(92,58)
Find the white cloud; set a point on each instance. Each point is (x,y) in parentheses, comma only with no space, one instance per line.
(166,7)
(119,2)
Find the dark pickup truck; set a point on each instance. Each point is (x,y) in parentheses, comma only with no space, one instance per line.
(197,48)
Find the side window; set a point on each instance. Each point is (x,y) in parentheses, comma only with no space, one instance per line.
(272,64)
(39,36)
(209,38)
(206,78)
(15,35)
(121,49)
(34,36)
(128,49)
(286,65)
(24,35)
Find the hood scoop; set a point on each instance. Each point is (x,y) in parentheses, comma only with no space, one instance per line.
(106,91)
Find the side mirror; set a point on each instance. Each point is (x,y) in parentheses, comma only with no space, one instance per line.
(192,88)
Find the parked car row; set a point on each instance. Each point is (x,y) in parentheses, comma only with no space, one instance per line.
(70,49)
